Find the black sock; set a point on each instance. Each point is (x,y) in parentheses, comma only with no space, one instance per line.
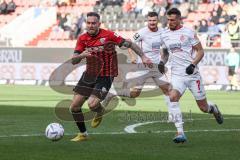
(79,119)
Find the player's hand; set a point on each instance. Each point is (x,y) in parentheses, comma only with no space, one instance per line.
(77,58)
(190,69)
(85,54)
(147,62)
(161,67)
(133,61)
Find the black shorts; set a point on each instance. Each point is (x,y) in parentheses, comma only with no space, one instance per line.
(231,70)
(89,85)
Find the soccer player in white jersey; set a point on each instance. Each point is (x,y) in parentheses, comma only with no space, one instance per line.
(148,40)
(185,52)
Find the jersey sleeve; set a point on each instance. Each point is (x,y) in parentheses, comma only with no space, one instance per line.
(193,38)
(80,46)
(116,38)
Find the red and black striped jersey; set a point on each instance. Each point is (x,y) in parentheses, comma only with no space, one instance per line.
(103,59)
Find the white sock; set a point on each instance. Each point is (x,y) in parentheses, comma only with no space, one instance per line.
(85,133)
(124,93)
(211,109)
(167,100)
(175,116)
(107,99)
(179,126)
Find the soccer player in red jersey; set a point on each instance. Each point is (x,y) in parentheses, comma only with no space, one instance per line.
(98,47)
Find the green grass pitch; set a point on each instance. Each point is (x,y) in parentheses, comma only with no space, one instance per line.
(25,111)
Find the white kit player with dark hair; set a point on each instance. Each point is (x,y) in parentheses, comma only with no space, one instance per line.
(185,52)
(148,40)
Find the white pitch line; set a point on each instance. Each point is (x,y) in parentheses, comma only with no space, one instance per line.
(131,128)
(125,133)
(66,134)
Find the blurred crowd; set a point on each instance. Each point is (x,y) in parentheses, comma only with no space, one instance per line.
(223,17)
(7,6)
(72,24)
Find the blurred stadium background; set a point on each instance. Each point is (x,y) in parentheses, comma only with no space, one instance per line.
(37,35)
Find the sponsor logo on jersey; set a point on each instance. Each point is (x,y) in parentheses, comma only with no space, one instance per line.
(156,46)
(176,47)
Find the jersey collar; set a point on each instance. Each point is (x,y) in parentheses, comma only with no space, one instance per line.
(177,28)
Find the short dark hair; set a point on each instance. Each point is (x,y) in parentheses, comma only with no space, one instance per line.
(174,11)
(89,14)
(152,14)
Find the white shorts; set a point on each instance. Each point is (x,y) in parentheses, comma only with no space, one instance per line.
(194,83)
(138,78)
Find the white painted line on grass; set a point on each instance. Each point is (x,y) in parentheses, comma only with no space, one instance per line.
(131,128)
(125,133)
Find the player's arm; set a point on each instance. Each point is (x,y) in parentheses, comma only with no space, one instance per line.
(132,56)
(137,50)
(80,51)
(164,55)
(77,56)
(199,53)
(197,47)
(164,58)
(137,39)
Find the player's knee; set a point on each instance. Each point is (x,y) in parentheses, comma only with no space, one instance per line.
(173,98)
(134,94)
(74,108)
(91,104)
(165,92)
(203,108)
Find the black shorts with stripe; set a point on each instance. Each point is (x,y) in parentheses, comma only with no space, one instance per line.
(90,85)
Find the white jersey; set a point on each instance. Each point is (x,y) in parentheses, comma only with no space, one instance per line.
(179,44)
(150,44)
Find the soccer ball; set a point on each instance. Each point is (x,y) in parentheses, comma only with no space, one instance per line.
(54,131)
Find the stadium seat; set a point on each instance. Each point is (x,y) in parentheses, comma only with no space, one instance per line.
(191,17)
(210,7)
(202,7)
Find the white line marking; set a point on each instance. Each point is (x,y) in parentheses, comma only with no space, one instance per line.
(125,133)
(131,128)
(66,134)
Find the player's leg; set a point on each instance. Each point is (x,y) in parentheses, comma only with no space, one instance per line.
(136,81)
(95,106)
(175,114)
(75,108)
(101,89)
(162,81)
(132,87)
(197,88)
(82,90)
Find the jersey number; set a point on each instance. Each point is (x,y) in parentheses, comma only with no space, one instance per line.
(198,84)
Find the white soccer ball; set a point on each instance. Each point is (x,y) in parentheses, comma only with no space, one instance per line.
(54,131)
